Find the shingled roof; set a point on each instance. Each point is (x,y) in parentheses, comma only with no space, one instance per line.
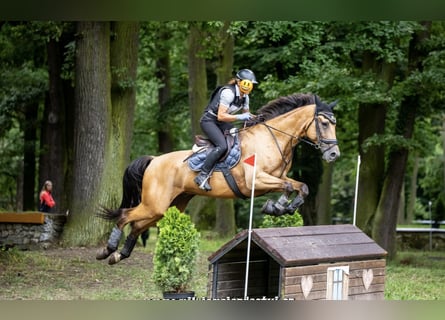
(296,246)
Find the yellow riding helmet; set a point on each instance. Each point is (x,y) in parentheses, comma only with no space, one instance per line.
(245,86)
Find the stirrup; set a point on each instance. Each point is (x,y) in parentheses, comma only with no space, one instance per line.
(202,181)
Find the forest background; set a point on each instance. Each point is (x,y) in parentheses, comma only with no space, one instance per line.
(80,100)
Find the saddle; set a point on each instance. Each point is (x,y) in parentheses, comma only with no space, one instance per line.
(204,146)
(203,143)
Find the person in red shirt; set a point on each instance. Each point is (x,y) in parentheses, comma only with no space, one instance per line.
(46,199)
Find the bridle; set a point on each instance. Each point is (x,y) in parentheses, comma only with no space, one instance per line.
(320,140)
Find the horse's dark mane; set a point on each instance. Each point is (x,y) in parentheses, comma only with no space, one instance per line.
(283,105)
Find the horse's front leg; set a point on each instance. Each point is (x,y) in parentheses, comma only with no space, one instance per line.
(279,207)
(287,186)
(302,191)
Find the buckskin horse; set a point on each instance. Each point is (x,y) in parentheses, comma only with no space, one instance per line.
(280,126)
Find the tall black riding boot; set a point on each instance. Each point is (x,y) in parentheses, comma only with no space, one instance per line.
(202,179)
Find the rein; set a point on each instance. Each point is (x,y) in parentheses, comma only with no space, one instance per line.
(320,139)
(317,145)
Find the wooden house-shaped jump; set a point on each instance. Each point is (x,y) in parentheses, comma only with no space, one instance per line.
(334,262)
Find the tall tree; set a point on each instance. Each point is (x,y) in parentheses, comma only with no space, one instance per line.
(197,74)
(371,118)
(104,92)
(165,137)
(225,212)
(197,91)
(384,227)
(56,127)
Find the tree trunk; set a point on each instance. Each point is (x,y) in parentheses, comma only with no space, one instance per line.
(105,102)
(225,224)
(165,137)
(224,70)
(53,141)
(412,191)
(197,93)
(92,120)
(307,167)
(401,214)
(323,199)
(385,222)
(384,227)
(29,159)
(443,147)
(197,76)
(371,121)
(123,65)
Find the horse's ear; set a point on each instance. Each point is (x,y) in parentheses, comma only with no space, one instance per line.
(333,104)
(317,99)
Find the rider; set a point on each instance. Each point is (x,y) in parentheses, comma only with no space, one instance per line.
(218,115)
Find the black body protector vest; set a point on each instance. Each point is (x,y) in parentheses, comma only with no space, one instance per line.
(211,111)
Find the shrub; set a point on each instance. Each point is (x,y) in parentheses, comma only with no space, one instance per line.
(174,259)
(286,220)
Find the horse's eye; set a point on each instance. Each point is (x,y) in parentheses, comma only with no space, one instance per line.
(325,124)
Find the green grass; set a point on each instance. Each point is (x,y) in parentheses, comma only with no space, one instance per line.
(416,275)
(74,273)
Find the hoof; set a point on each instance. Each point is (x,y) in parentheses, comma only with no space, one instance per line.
(273,208)
(296,203)
(103,254)
(268,207)
(115,258)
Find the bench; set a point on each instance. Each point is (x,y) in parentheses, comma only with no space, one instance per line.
(22,217)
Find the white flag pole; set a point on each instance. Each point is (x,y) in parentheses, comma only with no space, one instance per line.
(356,190)
(249,236)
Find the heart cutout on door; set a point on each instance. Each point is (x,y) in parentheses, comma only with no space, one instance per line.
(306,285)
(367,278)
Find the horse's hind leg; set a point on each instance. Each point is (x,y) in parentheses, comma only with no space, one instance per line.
(113,242)
(115,235)
(137,227)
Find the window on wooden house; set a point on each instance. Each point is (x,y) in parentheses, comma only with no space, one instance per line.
(337,283)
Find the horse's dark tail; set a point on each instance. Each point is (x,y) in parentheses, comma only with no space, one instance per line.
(132,181)
(131,187)
(109,214)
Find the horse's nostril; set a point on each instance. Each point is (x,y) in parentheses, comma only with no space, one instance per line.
(334,155)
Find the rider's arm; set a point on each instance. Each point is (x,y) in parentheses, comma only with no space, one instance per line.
(227,97)
(223,115)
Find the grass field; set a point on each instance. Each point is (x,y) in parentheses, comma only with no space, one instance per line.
(74,273)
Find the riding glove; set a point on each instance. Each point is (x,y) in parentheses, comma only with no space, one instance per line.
(244,116)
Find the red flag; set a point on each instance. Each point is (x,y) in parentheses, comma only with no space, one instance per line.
(250,160)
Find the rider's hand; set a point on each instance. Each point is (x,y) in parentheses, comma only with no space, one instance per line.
(244,116)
